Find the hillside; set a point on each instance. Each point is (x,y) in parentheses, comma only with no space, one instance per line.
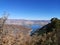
(14,34)
(16,29)
(48,34)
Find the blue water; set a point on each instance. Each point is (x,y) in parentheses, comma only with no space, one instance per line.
(34,28)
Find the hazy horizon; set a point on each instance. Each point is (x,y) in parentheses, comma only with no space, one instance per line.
(26,19)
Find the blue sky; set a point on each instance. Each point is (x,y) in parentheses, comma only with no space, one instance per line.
(31,9)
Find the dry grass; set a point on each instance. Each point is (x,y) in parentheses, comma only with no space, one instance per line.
(13,35)
(21,39)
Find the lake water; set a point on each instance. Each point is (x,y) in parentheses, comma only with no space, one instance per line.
(34,27)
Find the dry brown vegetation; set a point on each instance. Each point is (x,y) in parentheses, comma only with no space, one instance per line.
(45,39)
(19,35)
(13,34)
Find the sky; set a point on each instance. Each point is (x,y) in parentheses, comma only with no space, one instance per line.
(30,9)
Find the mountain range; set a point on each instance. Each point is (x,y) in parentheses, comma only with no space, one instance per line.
(26,22)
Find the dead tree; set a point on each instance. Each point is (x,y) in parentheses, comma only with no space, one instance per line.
(2,22)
